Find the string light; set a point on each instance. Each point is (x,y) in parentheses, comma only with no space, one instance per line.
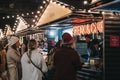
(8,16)
(33,20)
(44,2)
(22,14)
(41,7)
(27,13)
(3,17)
(13,16)
(32,13)
(36,16)
(85,2)
(38,11)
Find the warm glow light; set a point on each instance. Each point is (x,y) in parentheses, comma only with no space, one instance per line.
(9,32)
(32,25)
(44,2)
(27,13)
(22,14)
(88,28)
(8,16)
(36,16)
(33,20)
(38,11)
(3,17)
(85,2)
(89,10)
(13,16)
(32,12)
(41,7)
(103,12)
(21,24)
(15,24)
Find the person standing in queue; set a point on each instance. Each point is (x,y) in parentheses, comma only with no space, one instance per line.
(50,61)
(66,60)
(29,71)
(13,58)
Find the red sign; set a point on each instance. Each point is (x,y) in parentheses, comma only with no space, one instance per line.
(114,41)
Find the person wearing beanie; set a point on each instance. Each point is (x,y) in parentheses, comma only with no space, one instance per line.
(13,58)
(66,60)
(67,40)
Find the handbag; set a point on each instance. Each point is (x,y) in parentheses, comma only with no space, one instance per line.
(44,76)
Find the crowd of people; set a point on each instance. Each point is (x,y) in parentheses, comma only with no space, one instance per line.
(27,63)
(15,65)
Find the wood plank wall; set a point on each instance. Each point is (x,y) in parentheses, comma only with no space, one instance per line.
(111,54)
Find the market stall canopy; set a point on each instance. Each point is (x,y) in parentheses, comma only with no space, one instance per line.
(52,13)
(74,18)
(21,25)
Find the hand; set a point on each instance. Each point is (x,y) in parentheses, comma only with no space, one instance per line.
(4,75)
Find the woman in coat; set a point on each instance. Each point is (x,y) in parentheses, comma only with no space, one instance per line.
(66,60)
(29,71)
(13,58)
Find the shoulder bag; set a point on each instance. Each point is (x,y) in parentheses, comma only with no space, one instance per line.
(44,76)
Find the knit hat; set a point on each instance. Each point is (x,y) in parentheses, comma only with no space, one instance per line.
(67,38)
(12,40)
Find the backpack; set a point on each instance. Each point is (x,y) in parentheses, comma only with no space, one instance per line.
(51,59)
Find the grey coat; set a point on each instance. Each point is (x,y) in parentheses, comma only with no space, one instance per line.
(13,61)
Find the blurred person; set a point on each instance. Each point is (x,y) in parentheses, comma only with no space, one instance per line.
(3,65)
(66,60)
(24,45)
(13,59)
(88,40)
(29,71)
(95,49)
(50,73)
(96,54)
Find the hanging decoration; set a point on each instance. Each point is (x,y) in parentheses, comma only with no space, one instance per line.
(89,28)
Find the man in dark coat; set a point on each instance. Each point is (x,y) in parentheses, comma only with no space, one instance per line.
(66,60)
